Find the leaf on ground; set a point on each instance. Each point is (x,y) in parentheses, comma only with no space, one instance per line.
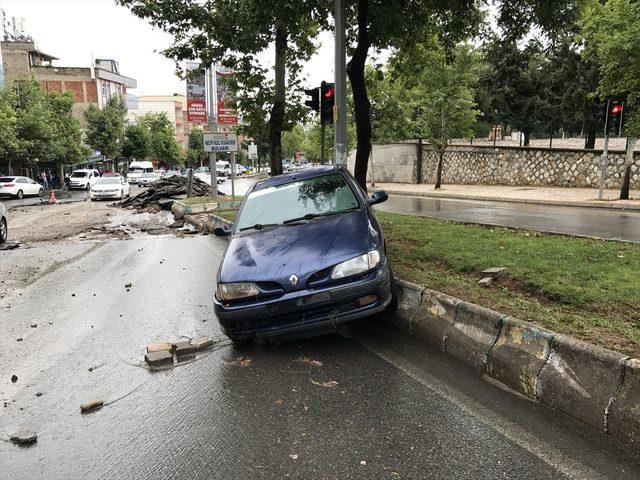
(279,402)
(240,361)
(327,384)
(308,361)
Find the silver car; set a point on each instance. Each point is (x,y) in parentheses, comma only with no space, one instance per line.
(4,232)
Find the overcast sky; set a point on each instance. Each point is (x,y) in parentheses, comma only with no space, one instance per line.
(76,31)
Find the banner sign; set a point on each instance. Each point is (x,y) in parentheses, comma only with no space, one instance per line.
(220,142)
(196,96)
(226,100)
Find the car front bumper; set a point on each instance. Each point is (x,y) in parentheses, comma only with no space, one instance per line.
(96,195)
(306,309)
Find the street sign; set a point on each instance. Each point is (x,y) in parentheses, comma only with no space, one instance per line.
(253,150)
(220,142)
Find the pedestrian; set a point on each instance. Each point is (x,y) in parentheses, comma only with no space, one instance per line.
(45,182)
(67,182)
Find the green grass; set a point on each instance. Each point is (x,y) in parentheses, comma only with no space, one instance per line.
(229,214)
(586,288)
(207,199)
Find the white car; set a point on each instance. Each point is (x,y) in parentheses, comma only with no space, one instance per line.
(147,179)
(20,186)
(137,168)
(4,231)
(84,178)
(112,187)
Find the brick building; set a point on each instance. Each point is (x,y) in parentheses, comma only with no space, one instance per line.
(90,85)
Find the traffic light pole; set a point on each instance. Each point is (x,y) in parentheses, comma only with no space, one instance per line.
(340,107)
(605,153)
(211,103)
(323,155)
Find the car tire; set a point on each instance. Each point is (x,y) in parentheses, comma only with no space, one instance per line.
(41,192)
(4,232)
(87,186)
(20,195)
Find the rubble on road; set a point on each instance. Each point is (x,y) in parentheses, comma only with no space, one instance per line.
(91,405)
(24,437)
(184,348)
(162,357)
(159,347)
(160,195)
(201,343)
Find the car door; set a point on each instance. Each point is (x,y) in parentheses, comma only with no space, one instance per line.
(32,187)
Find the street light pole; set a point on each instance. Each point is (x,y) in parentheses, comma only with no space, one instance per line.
(340,105)
(211,103)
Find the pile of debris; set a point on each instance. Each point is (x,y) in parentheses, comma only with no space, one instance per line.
(160,195)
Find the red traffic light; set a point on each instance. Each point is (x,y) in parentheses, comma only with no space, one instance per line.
(616,109)
(328,93)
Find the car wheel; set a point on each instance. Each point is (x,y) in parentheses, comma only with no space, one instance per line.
(4,233)
(41,192)
(87,186)
(20,194)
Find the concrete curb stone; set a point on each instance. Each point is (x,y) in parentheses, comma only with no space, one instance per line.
(623,420)
(437,314)
(409,302)
(472,335)
(581,379)
(518,355)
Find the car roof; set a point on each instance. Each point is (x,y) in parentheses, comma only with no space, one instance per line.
(299,175)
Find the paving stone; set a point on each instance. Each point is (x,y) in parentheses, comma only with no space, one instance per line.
(159,347)
(91,405)
(184,348)
(486,282)
(201,343)
(24,437)
(494,272)
(162,357)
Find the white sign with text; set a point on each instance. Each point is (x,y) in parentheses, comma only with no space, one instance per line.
(220,142)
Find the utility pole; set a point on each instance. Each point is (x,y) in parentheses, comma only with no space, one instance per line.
(323,130)
(340,107)
(605,153)
(214,128)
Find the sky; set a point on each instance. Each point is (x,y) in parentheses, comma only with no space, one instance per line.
(76,31)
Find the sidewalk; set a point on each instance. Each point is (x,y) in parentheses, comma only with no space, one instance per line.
(573,197)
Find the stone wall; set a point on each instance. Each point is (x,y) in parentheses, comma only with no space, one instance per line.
(500,166)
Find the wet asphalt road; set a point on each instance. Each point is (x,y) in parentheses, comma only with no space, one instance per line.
(399,410)
(11,202)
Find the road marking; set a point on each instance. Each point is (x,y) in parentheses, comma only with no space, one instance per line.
(564,464)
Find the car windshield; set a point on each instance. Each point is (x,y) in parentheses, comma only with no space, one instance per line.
(79,174)
(108,181)
(148,175)
(312,196)
(137,170)
(6,179)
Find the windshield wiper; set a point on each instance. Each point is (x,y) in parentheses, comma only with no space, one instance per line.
(310,216)
(258,226)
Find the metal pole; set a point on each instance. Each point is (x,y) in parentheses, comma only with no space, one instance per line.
(340,106)
(322,135)
(233,176)
(211,103)
(605,152)
(495,134)
(373,178)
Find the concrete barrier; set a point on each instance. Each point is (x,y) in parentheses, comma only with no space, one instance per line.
(581,380)
(518,355)
(437,313)
(409,303)
(472,335)
(623,419)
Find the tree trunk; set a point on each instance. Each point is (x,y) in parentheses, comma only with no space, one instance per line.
(590,140)
(419,162)
(439,170)
(526,138)
(361,104)
(276,119)
(626,182)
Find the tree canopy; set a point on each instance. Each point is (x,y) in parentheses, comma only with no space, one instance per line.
(105,128)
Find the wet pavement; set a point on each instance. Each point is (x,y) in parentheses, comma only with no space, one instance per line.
(579,221)
(11,202)
(398,410)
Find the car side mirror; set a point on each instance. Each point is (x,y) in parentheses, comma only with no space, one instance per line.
(378,197)
(221,232)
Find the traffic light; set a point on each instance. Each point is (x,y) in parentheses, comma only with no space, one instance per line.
(327,98)
(615,116)
(314,101)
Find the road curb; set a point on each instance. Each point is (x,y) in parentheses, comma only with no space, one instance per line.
(482,198)
(597,386)
(210,224)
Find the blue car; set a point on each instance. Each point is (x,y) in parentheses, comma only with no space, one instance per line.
(305,254)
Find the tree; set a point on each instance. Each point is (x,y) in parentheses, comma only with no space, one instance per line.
(163,141)
(137,142)
(232,33)
(195,147)
(439,92)
(66,145)
(311,146)
(612,34)
(389,121)
(8,128)
(292,141)
(105,128)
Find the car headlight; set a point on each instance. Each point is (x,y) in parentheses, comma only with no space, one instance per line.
(233,291)
(356,265)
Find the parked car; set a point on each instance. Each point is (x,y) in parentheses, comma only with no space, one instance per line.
(84,178)
(20,186)
(110,188)
(136,169)
(4,230)
(306,253)
(170,173)
(223,168)
(147,179)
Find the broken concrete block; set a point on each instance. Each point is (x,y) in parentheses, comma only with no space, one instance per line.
(91,405)
(159,347)
(486,282)
(155,359)
(494,272)
(184,348)
(201,343)
(24,437)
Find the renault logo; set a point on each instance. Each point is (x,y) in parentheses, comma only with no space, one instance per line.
(293,280)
